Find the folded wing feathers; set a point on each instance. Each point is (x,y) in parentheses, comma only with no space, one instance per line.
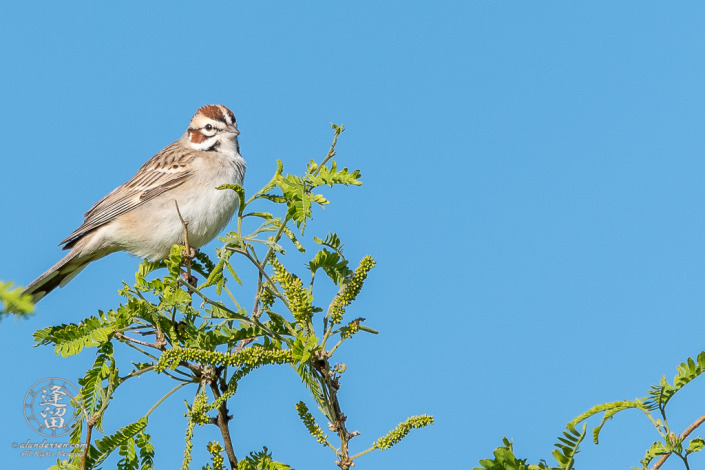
(166,170)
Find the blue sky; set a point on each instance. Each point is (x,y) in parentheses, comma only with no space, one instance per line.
(533,195)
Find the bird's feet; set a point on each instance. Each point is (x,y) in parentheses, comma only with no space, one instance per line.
(189,254)
(191,280)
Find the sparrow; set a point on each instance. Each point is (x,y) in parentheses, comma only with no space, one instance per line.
(141,216)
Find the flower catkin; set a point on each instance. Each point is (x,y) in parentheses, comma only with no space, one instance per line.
(313,428)
(300,299)
(351,288)
(397,434)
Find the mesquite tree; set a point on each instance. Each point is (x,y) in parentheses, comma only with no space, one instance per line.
(183,318)
(202,337)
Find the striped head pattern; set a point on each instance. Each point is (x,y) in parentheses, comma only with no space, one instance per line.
(213,129)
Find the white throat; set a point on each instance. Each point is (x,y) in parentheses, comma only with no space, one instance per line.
(223,144)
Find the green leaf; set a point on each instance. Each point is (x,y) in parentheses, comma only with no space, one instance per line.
(290,235)
(332,263)
(240,194)
(616,405)
(303,347)
(657,449)
(332,241)
(262,193)
(94,392)
(331,176)
(12,300)
(104,447)
(129,456)
(696,445)
(660,394)
(609,409)
(273,197)
(72,338)
(73,464)
(504,459)
(298,198)
(568,445)
(261,461)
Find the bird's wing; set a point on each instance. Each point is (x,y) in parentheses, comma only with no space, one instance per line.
(166,170)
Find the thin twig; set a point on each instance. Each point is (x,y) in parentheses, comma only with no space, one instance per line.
(682,437)
(164,398)
(260,268)
(121,336)
(90,422)
(330,353)
(222,423)
(187,247)
(220,305)
(276,238)
(136,373)
(331,153)
(235,315)
(255,307)
(360,454)
(232,297)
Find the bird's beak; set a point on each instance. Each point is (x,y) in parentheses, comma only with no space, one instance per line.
(233,130)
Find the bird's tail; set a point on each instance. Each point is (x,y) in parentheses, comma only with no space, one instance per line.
(57,276)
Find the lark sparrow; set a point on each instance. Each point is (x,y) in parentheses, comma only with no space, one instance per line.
(140,216)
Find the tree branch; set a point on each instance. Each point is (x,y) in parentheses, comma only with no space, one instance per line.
(89,431)
(222,423)
(682,437)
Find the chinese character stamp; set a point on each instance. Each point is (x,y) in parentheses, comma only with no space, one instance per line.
(48,406)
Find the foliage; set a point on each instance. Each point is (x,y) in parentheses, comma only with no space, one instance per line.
(204,338)
(653,406)
(566,449)
(261,461)
(13,301)
(504,459)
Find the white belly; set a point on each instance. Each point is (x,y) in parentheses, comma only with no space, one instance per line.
(150,230)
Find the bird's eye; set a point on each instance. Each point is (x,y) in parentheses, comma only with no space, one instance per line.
(209,127)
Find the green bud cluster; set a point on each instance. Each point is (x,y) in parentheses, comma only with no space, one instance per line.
(251,357)
(225,396)
(267,298)
(349,330)
(256,356)
(397,434)
(200,407)
(189,445)
(313,428)
(300,299)
(216,450)
(351,288)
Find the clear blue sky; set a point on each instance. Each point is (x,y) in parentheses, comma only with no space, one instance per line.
(534,185)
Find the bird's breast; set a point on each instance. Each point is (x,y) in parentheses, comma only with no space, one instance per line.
(150,230)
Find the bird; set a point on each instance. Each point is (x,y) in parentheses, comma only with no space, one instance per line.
(141,216)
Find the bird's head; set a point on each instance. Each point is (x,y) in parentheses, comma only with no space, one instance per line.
(213,128)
